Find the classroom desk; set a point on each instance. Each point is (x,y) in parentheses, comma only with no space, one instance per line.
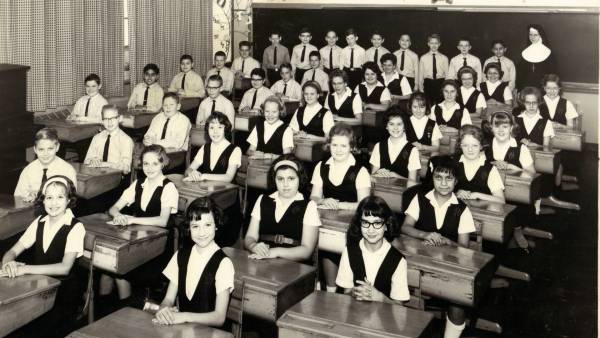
(188,103)
(257,173)
(391,190)
(545,160)
(92,182)
(245,121)
(449,140)
(224,194)
(520,186)
(373,118)
(15,215)
(23,299)
(357,126)
(495,221)
(176,157)
(242,172)
(456,274)
(566,138)
(291,106)
(197,136)
(70,131)
(121,249)
(137,118)
(309,149)
(491,108)
(326,314)
(130,322)
(272,285)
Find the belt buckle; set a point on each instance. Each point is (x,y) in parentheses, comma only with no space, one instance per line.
(279,239)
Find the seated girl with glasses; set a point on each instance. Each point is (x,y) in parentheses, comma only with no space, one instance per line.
(371,269)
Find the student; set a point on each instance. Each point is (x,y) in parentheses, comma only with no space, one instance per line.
(477,179)
(448,113)
(468,96)
(464,59)
(287,88)
(110,148)
(555,108)
(311,118)
(371,269)
(339,183)
(273,56)
(149,201)
(375,53)
(170,128)
(331,53)
(495,91)
(507,67)
(35,174)
(421,131)
(225,73)
(315,73)
(342,102)
(244,64)
(201,276)
(254,97)
(187,83)
(300,52)
(439,218)
(148,94)
(89,107)
(395,156)
(215,101)
(352,58)
(433,68)
(373,93)
(408,61)
(56,238)
(284,224)
(398,85)
(271,138)
(219,160)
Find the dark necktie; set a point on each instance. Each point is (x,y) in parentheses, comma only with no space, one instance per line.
(331,58)
(254,99)
(212,109)
(284,88)
(499,64)
(87,106)
(275,57)
(376,55)
(44,178)
(434,67)
(106,146)
(402,61)
(219,72)
(464,62)
(351,58)
(313,76)
(146,96)
(303,54)
(164,132)
(243,65)
(183,81)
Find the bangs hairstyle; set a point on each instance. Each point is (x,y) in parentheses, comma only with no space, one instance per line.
(421,98)
(174,96)
(496,66)
(450,82)
(529,91)
(46,134)
(443,164)
(216,78)
(186,57)
(551,78)
(159,151)
(108,107)
(389,57)
(301,172)
(372,66)
(377,207)
(338,73)
(466,130)
(69,194)
(202,206)
(276,100)
(467,70)
(497,119)
(311,84)
(342,129)
(221,119)
(395,111)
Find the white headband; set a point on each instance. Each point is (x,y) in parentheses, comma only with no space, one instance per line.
(286,162)
(54,179)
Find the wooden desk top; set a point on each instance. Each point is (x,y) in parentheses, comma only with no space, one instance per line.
(338,220)
(10,203)
(490,208)
(117,236)
(84,172)
(270,276)
(204,188)
(130,322)
(260,162)
(15,289)
(391,183)
(325,312)
(68,123)
(308,140)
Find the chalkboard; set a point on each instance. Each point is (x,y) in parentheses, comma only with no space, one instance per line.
(573,36)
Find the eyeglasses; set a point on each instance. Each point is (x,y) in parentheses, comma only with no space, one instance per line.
(213,88)
(531,103)
(253,79)
(376,225)
(110,119)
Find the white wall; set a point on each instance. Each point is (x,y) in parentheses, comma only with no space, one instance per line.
(587,103)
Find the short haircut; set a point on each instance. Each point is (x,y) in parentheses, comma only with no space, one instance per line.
(444,164)
(331,31)
(108,107)
(389,57)
(434,36)
(312,84)
(372,66)
(186,57)
(215,77)
(551,78)
(377,207)
(377,33)
(92,77)
(450,82)
(301,172)
(220,118)
(286,65)
(314,53)
(499,118)
(70,194)
(494,65)
(259,72)
(221,53)
(338,73)
(305,30)
(467,70)
(151,66)
(394,111)
(466,130)
(342,129)
(464,38)
(350,31)
(174,96)
(275,32)
(421,98)
(202,206)
(529,91)
(499,41)
(46,134)
(274,99)
(159,151)
(244,44)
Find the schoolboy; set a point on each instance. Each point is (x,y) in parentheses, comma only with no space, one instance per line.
(225,73)
(433,67)
(464,59)
(408,61)
(377,50)
(352,59)
(187,83)
(273,56)
(506,64)
(169,128)
(89,107)
(287,87)
(330,54)
(316,73)
(254,97)
(149,93)
(300,60)
(215,102)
